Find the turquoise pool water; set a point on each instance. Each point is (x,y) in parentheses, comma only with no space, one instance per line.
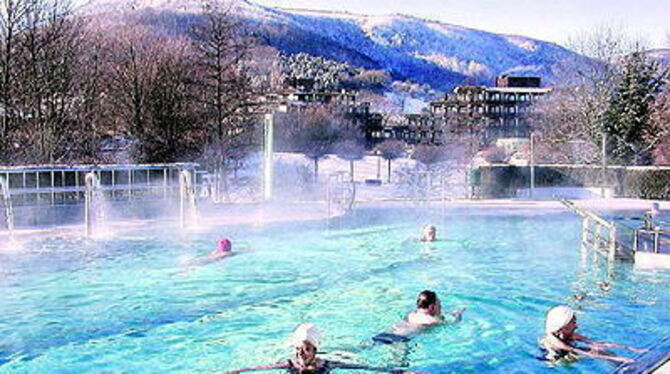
(132,304)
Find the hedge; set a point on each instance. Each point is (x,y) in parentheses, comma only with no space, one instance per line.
(502,181)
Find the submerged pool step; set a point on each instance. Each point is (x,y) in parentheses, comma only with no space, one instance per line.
(656,361)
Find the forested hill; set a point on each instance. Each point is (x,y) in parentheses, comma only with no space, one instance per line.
(409,48)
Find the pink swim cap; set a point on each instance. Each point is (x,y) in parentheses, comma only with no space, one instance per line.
(224,245)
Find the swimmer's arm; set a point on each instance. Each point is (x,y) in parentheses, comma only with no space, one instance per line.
(457,314)
(592,354)
(602,356)
(601,345)
(279,365)
(581,338)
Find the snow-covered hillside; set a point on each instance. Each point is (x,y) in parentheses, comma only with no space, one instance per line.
(409,48)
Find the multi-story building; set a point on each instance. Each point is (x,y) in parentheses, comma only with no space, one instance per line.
(302,98)
(422,128)
(501,111)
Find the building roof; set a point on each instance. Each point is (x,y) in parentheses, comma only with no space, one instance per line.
(531,90)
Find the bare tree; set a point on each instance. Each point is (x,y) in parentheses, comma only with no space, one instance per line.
(564,136)
(222,52)
(317,135)
(49,49)
(391,150)
(350,150)
(133,69)
(430,155)
(175,131)
(12,22)
(575,112)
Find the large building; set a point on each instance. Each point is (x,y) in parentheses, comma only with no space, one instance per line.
(299,96)
(502,111)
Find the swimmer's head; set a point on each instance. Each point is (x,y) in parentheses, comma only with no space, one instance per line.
(224,246)
(427,300)
(561,319)
(655,209)
(429,233)
(306,339)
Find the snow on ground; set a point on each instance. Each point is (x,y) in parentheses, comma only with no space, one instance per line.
(403,177)
(370,167)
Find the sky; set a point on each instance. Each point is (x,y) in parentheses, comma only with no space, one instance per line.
(552,20)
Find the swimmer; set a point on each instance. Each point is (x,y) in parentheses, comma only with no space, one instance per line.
(429,310)
(580,296)
(223,249)
(428,313)
(605,286)
(560,341)
(429,233)
(306,340)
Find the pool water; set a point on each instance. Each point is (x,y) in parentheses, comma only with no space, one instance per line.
(134,304)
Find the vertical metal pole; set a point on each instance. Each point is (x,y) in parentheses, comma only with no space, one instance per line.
(76,183)
(656,235)
(165,183)
(113,193)
(604,166)
(37,184)
(88,197)
(25,195)
(328,197)
(182,215)
(53,182)
(585,230)
(379,167)
(62,182)
(532,164)
(268,152)
(612,243)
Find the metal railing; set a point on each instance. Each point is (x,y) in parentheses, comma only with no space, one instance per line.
(340,193)
(658,236)
(601,234)
(62,182)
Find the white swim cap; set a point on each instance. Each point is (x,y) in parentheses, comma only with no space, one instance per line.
(306,332)
(558,317)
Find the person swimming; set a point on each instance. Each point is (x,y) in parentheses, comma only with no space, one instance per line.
(224,248)
(428,313)
(306,340)
(561,341)
(429,234)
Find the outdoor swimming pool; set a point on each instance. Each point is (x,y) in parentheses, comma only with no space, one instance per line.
(131,304)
